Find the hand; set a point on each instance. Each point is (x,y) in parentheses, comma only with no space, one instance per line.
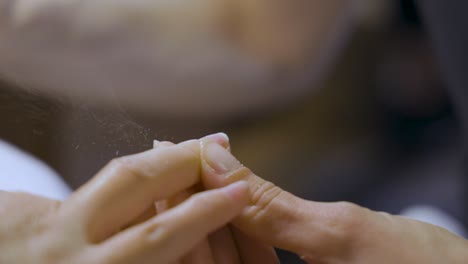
(328,232)
(227,245)
(110,219)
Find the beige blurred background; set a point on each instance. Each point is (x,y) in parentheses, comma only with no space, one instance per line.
(376,128)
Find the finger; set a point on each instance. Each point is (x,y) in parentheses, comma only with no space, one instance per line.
(201,253)
(147,214)
(166,204)
(219,138)
(174,233)
(127,186)
(252,251)
(279,218)
(162,205)
(151,211)
(223,247)
(157,144)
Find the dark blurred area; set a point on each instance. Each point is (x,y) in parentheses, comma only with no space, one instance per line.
(380,131)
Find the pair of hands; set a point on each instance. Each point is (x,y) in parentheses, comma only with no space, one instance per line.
(144,208)
(140,209)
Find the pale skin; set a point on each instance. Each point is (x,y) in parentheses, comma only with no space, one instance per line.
(135,210)
(328,233)
(118,217)
(34,33)
(112,219)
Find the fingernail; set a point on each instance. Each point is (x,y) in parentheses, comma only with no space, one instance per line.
(237,191)
(218,138)
(220,159)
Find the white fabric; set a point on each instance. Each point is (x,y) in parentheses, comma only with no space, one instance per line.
(435,216)
(22,172)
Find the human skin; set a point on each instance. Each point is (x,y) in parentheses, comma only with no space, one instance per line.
(328,233)
(228,245)
(166,50)
(113,219)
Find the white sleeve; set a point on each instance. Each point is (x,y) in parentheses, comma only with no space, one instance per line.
(21,172)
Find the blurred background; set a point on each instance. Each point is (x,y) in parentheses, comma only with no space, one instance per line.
(377,129)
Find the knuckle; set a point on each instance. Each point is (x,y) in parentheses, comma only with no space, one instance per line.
(263,196)
(155,233)
(148,164)
(348,219)
(118,164)
(124,167)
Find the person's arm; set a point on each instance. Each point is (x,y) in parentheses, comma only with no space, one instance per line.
(329,232)
(166,56)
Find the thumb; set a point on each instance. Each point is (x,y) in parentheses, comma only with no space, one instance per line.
(274,216)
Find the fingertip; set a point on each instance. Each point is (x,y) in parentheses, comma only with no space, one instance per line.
(218,165)
(238,191)
(209,178)
(219,159)
(221,139)
(160,144)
